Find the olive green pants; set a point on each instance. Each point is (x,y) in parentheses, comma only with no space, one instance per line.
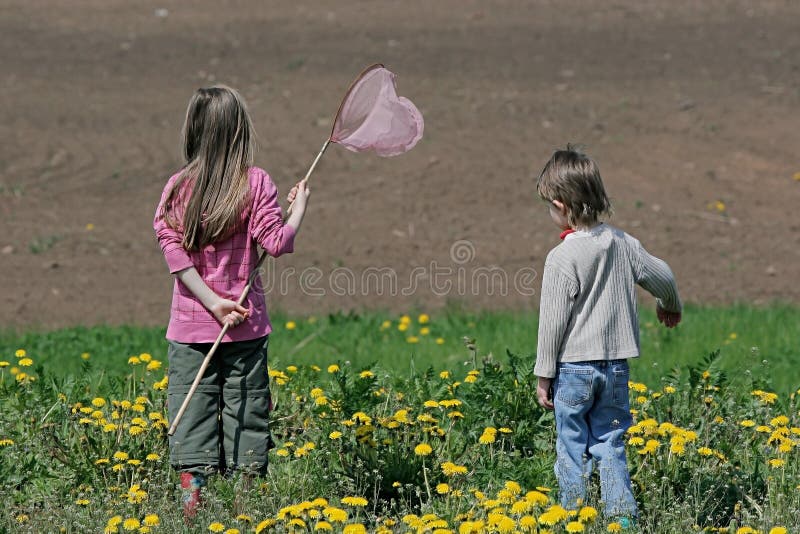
(226,425)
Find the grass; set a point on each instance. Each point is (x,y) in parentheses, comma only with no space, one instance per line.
(754,343)
(83,445)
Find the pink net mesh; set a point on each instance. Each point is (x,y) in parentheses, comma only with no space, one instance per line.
(373,117)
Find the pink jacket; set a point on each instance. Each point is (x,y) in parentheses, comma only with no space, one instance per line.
(225,266)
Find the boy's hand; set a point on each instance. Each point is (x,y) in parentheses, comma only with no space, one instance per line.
(544,392)
(229,312)
(667,318)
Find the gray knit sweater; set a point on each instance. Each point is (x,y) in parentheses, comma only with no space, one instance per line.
(588,301)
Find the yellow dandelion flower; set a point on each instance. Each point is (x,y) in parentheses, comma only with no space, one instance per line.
(216,526)
(323,525)
(355,501)
(25,362)
(780,420)
(424,331)
(4,363)
(423,449)
(6,442)
(778,530)
(161,385)
(423,318)
(553,515)
(153,365)
(335,435)
(120,456)
(412,339)
(354,528)
(134,360)
(131,524)
(151,520)
(614,527)
(335,515)
(705,451)
(513,487)
(291,325)
(775,463)
(366,374)
(536,497)
(440,341)
(486,438)
(587,514)
(451,469)
(232,531)
(574,526)
(20,353)
(637,387)
(98,402)
(520,507)
(264,525)
(333,368)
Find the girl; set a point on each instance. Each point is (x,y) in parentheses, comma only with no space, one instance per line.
(212,214)
(588,329)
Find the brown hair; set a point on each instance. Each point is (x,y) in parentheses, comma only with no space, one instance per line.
(573,178)
(218,146)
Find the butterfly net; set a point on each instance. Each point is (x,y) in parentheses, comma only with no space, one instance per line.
(373,117)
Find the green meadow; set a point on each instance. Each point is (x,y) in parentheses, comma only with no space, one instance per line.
(424,422)
(760,344)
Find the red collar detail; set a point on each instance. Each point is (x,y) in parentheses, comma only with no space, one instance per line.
(566,232)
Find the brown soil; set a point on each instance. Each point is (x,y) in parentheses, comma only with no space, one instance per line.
(684,104)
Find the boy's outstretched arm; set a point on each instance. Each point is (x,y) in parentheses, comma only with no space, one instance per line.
(654,275)
(225,311)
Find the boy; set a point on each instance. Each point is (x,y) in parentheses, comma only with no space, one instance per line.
(588,328)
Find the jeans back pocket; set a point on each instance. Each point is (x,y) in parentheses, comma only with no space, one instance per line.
(574,386)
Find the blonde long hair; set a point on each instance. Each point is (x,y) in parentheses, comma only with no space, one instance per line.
(218,146)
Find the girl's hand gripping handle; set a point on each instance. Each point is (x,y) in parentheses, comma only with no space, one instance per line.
(298,196)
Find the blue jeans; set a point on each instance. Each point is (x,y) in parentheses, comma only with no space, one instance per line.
(592,415)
